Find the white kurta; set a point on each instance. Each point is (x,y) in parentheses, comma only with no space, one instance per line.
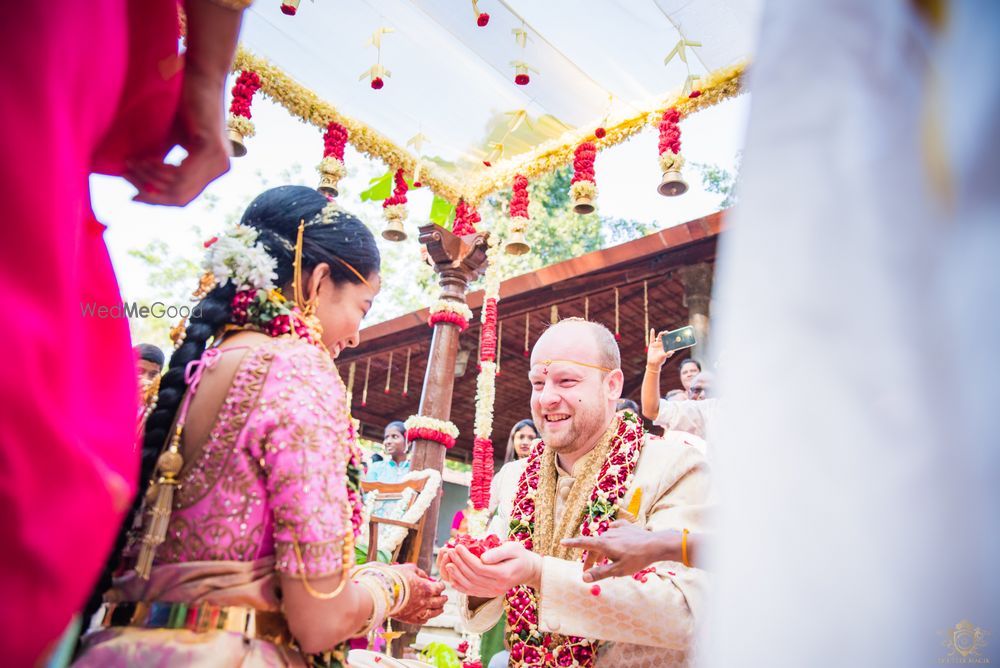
(650,624)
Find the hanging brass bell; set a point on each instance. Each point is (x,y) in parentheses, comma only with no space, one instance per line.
(673,184)
(236,140)
(328,184)
(583,205)
(517,244)
(394,231)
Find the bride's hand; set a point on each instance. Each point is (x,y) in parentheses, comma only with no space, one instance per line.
(426,599)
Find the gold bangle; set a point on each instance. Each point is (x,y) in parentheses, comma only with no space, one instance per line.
(305,582)
(684,548)
(379,607)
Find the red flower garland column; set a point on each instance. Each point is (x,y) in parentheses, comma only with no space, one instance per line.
(671,161)
(239,124)
(584,187)
(331,168)
(517,244)
(394,209)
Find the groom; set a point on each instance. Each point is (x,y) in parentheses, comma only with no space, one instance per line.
(590,468)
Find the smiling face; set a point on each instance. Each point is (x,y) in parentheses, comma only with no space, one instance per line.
(340,307)
(572,403)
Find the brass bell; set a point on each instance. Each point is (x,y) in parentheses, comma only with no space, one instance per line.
(394,231)
(328,184)
(673,184)
(236,139)
(517,244)
(583,204)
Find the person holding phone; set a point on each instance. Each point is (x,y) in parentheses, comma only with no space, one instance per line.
(692,416)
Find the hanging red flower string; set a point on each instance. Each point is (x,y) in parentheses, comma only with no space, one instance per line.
(394,209)
(671,161)
(289,7)
(584,186)
(466,218)
(517,244)
(482,449)
(331,168)
(239,125)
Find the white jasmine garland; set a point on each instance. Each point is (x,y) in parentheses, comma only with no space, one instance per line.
(237,257)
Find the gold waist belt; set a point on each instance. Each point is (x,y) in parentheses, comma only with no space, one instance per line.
(198,617)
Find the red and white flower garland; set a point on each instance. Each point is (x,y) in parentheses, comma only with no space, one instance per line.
(431,429)
(394,206)
(446,310)
(247,83)
(528,645)
(332,168)
(670,141)
(482,448)
(519,205)
(584,183)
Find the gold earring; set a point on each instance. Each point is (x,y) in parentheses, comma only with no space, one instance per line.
(311,320)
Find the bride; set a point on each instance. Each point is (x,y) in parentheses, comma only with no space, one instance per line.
(243,551)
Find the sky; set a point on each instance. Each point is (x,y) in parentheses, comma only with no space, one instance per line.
(286,151)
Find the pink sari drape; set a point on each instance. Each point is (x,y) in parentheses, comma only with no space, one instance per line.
(83,86)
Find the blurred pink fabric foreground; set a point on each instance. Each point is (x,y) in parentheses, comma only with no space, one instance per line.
(82,87)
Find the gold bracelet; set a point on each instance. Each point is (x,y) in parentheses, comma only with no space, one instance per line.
(305,582)
(390,583)
(684,548)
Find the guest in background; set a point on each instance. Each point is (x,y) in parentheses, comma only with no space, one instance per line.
(149,361)
(395,465)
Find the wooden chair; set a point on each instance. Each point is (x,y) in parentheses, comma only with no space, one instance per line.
(408,549)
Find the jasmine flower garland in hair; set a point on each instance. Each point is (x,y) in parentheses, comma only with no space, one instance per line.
(237,257)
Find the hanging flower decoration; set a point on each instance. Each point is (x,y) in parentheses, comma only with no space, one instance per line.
(600,132)
(482,18)
(431,429)
(521,68)
(583,188)
(289,7)
(417,142)
(394,207)
(377,72)
(671,161)
(452,312)
(517,244)
(331,168)
(482,447)
(240,126)
(466,218)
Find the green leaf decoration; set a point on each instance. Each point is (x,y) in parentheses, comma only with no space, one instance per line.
(442,212)
(380,188)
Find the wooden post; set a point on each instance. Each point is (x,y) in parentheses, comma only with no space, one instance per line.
(697,280)
(457,261)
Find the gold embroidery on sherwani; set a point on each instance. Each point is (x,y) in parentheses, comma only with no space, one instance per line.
(551,530)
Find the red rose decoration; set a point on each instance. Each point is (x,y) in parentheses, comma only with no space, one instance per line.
(482,20)
(289,10)
(522,79)
(377,83)
(475,545)
(600,133)
(694,94)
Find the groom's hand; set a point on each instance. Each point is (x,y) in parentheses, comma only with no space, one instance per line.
(500,569)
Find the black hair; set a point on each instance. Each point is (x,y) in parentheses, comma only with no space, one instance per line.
(689,360)
(332,236)
(398,426)
(624,403)
(150,353)
(511,451)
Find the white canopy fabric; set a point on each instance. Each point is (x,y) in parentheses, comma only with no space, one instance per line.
(453,81)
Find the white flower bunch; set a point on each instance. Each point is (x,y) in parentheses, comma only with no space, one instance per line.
(237,257)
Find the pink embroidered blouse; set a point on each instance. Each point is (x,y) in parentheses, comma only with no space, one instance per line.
(273,470)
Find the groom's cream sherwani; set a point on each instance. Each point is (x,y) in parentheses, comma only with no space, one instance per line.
(647,624)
